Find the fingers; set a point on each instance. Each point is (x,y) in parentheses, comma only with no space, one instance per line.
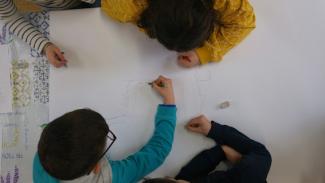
(163,78)
(159,84)
(164,87)
(156,87)
(55,56)
(60,55)
(185,61)
(162,82)
(193,127)
(56,62)
(184,58)
(199,124)
(188,59)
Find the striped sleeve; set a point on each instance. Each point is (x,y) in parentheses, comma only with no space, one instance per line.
(20,27)
(89,1)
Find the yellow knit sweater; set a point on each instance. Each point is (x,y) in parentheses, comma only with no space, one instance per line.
(236,22)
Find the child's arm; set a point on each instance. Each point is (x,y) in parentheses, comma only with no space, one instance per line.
(202,164)
(237,20)
(123,10)
(154,153)
(20,27)
(255,161)
(226,135)
(25,31)
(254,164)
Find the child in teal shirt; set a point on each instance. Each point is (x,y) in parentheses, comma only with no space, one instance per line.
(69,151)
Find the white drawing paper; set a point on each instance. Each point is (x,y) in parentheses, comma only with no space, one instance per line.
(274,80)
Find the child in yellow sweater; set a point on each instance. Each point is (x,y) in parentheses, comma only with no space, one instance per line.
(202,31)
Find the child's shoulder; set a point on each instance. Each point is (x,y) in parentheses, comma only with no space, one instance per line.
(124,10)
(220,4)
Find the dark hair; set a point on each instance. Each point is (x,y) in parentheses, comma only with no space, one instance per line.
(180,25)
(71,145)
(159,180)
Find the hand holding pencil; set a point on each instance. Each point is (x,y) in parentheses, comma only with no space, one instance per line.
(54,55)
(164,88)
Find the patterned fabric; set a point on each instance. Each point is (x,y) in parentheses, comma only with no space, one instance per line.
(21,83)
(41,22)
(29,76)
(5,36)
(40,67)
(236,22)
(41,71)
(20,27)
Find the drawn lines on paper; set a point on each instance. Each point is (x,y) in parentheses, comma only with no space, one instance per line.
(202,77)
(135,94)
(139,98)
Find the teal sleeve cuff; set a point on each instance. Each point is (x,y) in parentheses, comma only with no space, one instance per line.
(166,112)
(167,105)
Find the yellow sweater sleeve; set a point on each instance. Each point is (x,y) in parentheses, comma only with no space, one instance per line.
(124,10)
(237,20)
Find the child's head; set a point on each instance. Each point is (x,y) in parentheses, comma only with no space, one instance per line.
(180,25)
(72,144)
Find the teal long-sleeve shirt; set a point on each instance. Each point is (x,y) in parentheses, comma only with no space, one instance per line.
(138,165)
(153,154)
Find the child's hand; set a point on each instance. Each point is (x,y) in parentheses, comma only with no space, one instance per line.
(200,124)
(164,87)
(188,59)
(54,55)
(231,154)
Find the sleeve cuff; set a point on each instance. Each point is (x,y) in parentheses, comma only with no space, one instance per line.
(167,105)
(215,131)
(167,111)
(42,46)
(204,55)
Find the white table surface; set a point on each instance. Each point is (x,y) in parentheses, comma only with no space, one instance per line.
(275,81)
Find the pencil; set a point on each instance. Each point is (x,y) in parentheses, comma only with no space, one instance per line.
(161,84)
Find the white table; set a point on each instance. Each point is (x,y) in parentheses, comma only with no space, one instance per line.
(275,81)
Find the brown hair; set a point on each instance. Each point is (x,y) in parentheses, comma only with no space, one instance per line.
(70,145)
(180,25)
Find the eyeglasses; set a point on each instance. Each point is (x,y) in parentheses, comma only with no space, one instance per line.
(111,138)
